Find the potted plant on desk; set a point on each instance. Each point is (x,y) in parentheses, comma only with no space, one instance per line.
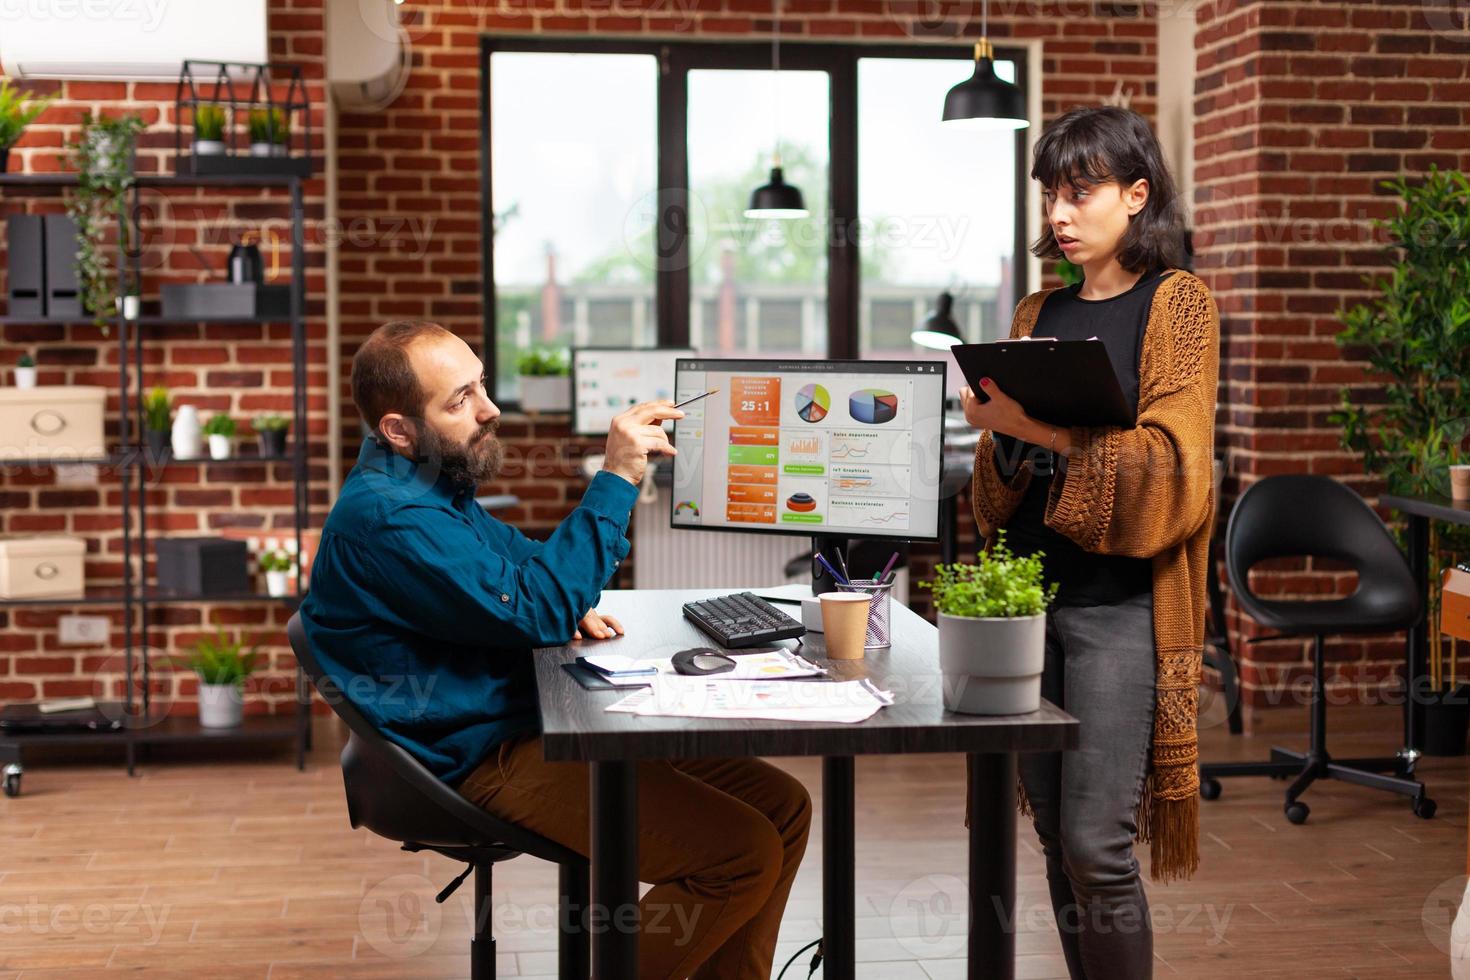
(992,631)
(221,432)
(546,384)
(222,669)
(156,426)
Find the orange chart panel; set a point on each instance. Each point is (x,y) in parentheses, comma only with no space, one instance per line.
(760,475)
(755,400)
(739,513)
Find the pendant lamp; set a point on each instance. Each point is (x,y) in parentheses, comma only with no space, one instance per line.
(776,198)
(985,100)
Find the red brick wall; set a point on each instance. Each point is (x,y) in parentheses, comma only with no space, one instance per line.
(1302,109)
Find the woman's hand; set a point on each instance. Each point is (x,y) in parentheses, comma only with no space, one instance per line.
(1001,413)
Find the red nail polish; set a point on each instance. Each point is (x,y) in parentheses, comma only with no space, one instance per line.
(985,382)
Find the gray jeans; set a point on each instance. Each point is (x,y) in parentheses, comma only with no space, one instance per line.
(1100,666)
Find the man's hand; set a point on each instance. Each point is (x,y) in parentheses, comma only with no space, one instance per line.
(635,435)
(1001,414)
(598,627)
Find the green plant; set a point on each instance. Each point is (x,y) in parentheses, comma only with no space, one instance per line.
(18,109)
(275,560)
(1415,335)
(269,126)
(218,659)
(1068,272)
(271,423)
(103,156)
(1000,584)
(209,122)
(219,425)
(26,360)
(542,363)
(156,406)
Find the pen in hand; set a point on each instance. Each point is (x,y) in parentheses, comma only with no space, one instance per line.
(712,391)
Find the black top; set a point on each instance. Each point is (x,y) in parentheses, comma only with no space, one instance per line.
(1086,579)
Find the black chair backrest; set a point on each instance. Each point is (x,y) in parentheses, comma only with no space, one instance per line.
(1305,515)
(391,793)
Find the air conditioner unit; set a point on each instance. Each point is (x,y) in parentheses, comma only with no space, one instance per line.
(367,53)
(145,40)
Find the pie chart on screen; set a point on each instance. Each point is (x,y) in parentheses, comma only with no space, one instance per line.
(812,403)
(873,406)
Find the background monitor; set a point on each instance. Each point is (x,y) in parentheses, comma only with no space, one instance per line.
(607,380)
(846,448)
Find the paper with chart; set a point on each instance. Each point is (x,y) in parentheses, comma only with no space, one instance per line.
(675,695)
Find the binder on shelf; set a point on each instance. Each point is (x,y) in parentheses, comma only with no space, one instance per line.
(1062,382)
(63,294)
(25,264)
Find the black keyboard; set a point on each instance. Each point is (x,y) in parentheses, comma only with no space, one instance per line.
(743,619)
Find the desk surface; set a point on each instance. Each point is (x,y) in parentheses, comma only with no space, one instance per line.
(1439,508)
(575,726)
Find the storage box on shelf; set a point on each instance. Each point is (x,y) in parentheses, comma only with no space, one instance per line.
(43,567)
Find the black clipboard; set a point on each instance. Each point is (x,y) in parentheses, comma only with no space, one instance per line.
(1062,382)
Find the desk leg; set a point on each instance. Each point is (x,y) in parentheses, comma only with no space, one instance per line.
(992,866)
(839,892)
(613,916)
(1418,638)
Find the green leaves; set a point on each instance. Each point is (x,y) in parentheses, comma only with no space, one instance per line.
(542,363)
(1001,584)
(219,425)
(103,156)
(209,122)
(156,406)
(219,660)
(269,126)
(15,114)
(275,560)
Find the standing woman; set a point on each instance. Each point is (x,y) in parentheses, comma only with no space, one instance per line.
(1123,518)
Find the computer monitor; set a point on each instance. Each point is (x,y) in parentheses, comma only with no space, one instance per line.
(607,380)
(816,448)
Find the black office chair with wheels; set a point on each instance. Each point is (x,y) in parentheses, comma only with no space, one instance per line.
(1296,515)
(391,794)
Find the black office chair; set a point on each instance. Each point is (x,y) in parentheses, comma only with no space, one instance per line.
(1217,653)
(1289,516)
(390,793)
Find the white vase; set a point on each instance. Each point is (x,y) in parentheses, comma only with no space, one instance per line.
(209,148)
(546,393)
(220,706)
(25,377)
(220,446)
(187,438)
(992,665)
(277,584)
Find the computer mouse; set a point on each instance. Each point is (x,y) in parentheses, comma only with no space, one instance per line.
(702,660)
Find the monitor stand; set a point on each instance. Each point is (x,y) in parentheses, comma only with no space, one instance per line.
(826,545)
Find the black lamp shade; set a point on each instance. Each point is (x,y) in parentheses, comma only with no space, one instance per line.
(986,101)
(939,331)
(776,199)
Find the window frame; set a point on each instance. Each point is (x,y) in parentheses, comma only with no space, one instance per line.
(675,60)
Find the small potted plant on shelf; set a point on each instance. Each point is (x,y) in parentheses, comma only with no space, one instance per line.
(277,565)
(209,130)
(269,132)
(129,303)
(992,631)
(221,432)
(546,385)
(25,372)
(18,109)
(222,667)
(103,157)
(156,407)
(271,428)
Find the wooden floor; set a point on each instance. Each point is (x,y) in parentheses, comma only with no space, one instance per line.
(246,868)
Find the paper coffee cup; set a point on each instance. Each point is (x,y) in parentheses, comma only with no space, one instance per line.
(845,623)
(1460,481)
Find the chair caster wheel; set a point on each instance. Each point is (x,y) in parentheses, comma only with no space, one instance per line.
(1209,788)
(12,781)
(1297,812)
(1424,808)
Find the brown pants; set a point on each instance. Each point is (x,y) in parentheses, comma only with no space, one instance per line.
(719,839)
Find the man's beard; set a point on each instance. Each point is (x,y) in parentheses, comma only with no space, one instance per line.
(467,464)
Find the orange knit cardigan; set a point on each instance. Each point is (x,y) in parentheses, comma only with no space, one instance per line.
(1147,492)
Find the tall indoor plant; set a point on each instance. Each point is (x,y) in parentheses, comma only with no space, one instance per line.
(18,109)
(103,155)
(992,631)
(1415,334)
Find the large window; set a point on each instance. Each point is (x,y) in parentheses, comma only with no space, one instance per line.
(620,171)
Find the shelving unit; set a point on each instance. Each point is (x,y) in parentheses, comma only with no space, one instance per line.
(133,463)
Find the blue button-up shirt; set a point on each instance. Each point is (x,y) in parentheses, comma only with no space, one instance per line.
(424,609)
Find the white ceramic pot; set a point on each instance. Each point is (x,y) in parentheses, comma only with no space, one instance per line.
(209,148)
(25,377)
(267,149)
(220,447)
(128,307)
(546,393)
(992,665)
(277,584)
(187,438)
(221,706)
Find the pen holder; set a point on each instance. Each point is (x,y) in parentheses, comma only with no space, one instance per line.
(879,596)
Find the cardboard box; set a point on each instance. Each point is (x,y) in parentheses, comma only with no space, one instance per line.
(56,422)
(47,567)
(1454,610)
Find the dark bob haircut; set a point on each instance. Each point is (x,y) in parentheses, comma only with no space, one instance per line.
(1090,146)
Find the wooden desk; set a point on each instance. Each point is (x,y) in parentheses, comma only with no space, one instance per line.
(575,727)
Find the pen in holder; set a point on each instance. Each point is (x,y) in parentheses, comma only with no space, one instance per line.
(879,596)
